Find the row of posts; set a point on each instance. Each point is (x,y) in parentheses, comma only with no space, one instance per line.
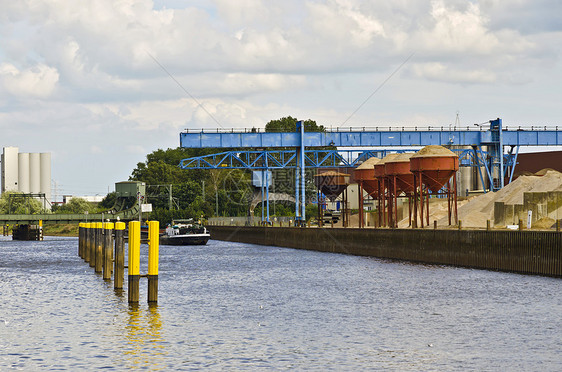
(102,245)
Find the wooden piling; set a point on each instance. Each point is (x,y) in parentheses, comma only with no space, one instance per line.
(134,261)
(107,250)
(81,239)
(92,240)
(153,251)
(99,247)
(86,247)
(119,270)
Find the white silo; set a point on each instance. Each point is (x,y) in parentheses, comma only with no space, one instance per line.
(34,173)
(45,183)
(10,169)
(23,172)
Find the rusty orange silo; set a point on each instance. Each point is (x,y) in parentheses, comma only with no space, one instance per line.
(434,168)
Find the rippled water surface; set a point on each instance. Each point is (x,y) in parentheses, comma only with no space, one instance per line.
(231,306)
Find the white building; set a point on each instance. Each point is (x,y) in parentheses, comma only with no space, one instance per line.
(26,172)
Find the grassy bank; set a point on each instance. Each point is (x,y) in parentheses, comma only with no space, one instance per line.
(61,230)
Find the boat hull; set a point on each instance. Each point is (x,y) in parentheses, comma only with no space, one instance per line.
(188,239)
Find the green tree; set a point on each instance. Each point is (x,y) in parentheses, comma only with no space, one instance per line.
(76,205)
(13,202)
(162,167)
(289,124)
(230,187)
(108,201)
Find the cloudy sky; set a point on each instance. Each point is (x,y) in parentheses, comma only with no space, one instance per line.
(89,81)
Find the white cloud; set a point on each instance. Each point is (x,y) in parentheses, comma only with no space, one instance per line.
(441,72)
(37,81)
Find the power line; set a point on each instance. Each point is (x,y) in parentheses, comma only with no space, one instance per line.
(199,104)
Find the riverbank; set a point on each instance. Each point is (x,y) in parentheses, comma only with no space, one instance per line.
(528,252)
(69,230)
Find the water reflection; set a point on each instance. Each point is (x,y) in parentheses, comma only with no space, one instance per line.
(145,346)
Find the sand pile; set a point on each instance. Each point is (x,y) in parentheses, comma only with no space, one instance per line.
(434,150)
(544,223)
(400,158)
(369,163)
(481,208)
(438,211)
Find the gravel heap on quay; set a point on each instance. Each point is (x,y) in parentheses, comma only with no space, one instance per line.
(476,210)
(480,208)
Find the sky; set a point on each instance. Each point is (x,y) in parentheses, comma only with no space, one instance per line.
(100,84)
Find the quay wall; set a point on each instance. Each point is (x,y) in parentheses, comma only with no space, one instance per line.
(529,252)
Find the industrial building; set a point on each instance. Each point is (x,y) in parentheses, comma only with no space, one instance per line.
(25,172)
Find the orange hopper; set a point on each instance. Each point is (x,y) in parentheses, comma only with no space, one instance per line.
(399,166)
(401,180)
(365,173)
(383,187)
(331,183)
(436,164)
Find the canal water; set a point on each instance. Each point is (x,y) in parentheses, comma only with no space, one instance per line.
(232,306)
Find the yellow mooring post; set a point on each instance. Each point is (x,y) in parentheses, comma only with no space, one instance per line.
(86,245)
(80,239)
(107,250)
(99,247)
(119,255)
(134,261)
(153,250)
(92,242)
(83,239)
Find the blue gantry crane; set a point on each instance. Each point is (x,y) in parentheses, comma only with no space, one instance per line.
(479,146)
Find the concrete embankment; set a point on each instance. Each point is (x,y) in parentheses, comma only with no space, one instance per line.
(529,252)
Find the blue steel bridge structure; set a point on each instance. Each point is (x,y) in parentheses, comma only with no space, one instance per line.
(490,147)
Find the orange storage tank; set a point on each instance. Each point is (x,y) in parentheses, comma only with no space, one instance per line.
(331,183)
(436,164)
(365,173)
(399,166)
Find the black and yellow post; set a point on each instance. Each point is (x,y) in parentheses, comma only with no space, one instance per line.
(84,240)
(92,244)
(40,231)
(99,250)
(107,250)
(85,246)
(134,261)
(80,239)
(119,255)
(153,248)
(82,246)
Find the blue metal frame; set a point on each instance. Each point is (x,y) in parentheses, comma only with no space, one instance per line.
(494,161)
(274,159)
(375,138)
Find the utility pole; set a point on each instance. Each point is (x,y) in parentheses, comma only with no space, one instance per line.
(139,201)
(170,200)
